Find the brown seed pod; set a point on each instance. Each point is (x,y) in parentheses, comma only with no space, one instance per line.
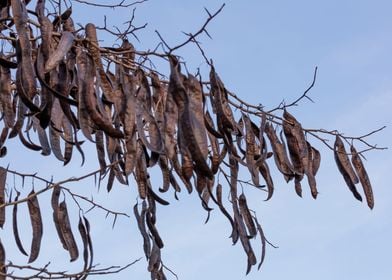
(83,235)
(3,268)
(245,213)
(297,149)
(153,230)
(3,178)
(141,172)
(7,64)
(42,137)
(218,93)
(363,176)
(280,155)
(263,242)
(140,219)
(93,49)
(178,91)
(100,147)
(89,98)
(222,208)
(15,226)
(89,241)
(238,220)
(265,172)
(55,206)
(251,150)
(345,168)
(195,107)
(310,172)
(6,97)
(66,230)
(129,124)
(65,44)
(36,223)
(20,117)
(25,73)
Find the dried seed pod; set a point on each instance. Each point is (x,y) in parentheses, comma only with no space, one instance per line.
(89,240)
(25,73)
(140,218)
(316,159)
(166,173)
(152,194)
(363,177)
(69,143)
(129,120)
(280,155)
(65,44)
(36,223)
(263,242)
(93,48)
(6,97)
(153,230)
(265,172)
(240,225)
(3,178)
(179,93)
(245,213)
(154,260)
(46,35)
(42,137)
(66,230)
(141,172)
(55,206)
(7,64)
(299,153)
(195,94)
(345,168)
(297,149)
(310,172)
(219,202)
(100,147)
(89,98)
(218,93)
(83,235)
(15,226)
(3,268)
(250,154)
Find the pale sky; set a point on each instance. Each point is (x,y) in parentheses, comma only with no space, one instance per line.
(264,51)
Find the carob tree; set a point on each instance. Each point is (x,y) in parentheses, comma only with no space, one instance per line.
(62,89)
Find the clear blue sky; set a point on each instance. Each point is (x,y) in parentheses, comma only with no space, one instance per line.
(265,51)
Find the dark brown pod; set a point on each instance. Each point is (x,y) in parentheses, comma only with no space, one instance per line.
(36,223)
(363,177)
(345,167)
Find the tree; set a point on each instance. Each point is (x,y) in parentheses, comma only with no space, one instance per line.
(249,122)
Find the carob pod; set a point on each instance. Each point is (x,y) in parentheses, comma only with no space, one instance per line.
(280,156)
(63,47)
(55,206)
(3,178)
(36,223)
(66,230)
(247,216)
(363,176)
(3,268)
(25,78)
(177,89)
(345,167)
(15,226)
(141,223)
(250,152)
(6,97)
